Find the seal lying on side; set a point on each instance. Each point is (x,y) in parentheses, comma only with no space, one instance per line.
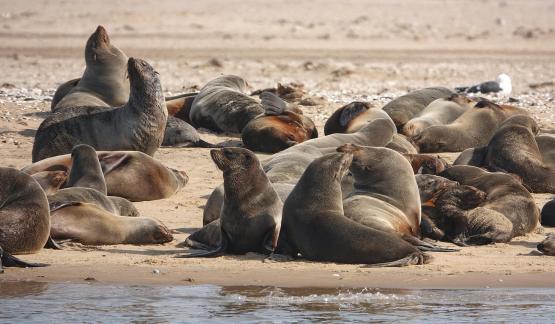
(104,82)
(86,215)
(474,128)
(24,217)
(547,246)
(513,149)
(223,106)
(315,226)
(505,195)
(128,174)
(278,128)
(251,213)
(439,112)
(179,133)
(406,107)
(349,118)
(138,125)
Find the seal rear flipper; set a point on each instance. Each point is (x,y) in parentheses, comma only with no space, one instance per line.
(51,244)
(201,143)
(426,246)
(8,260)
(56,205)
(219,251)
(111,161)
(272,104)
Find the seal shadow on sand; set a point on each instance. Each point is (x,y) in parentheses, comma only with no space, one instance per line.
(140,252)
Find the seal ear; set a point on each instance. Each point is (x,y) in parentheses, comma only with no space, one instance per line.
(111,161)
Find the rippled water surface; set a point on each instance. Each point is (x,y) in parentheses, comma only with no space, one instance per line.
(27,302)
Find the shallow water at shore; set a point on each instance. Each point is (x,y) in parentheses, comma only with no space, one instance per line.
(94,302)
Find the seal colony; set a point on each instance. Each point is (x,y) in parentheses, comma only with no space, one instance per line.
(365,193)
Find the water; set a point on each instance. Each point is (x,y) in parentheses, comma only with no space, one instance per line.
(29,302)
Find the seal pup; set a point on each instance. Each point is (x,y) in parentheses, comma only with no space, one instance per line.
(474,128)
(250,217)
(179,133)
(439,112)
(501,85)
(315,226)
(137,125)
(278,128)
(426,164)
(349,118)
(128,174)
(505,195)
(104,82)
(547,246)
(548,213)
(404,108)
(24,217)
(223,106)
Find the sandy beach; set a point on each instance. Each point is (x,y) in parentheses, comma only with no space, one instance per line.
(344,51)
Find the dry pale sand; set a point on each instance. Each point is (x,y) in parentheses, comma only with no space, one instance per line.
(348,50)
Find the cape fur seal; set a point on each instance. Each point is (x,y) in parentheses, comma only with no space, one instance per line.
(474,128)
(514,149)
(138,125)
(24,217)
(128,174)
(548,213)
(404,108)
(179,133)
(50,181)
(505,195)
(223,106)
(250,217)
(104,81)
(349,118)
(547,246)
(278,128)
(86,215)
(439,112)
(315,226)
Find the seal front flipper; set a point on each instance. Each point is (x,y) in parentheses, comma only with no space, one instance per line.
(110,161)
(51,244)
(273,105)
(8,260)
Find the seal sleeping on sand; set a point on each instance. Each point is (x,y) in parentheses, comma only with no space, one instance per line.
(86,215)
(128,174)
(24,217)
(138,125)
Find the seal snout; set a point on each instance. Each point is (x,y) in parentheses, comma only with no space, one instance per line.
(101,35)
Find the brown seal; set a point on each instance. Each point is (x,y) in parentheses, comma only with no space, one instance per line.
(179,133)
(505,196)
(128,174)
(548,213)
(138,125)
(441,111)
(278,128)
(223,106)
(24,217)
(405,107)
(426,164)
(547,246)
(514,149)
(315,226)
(104,82)
(251,213)
(474,128)
(349,118)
